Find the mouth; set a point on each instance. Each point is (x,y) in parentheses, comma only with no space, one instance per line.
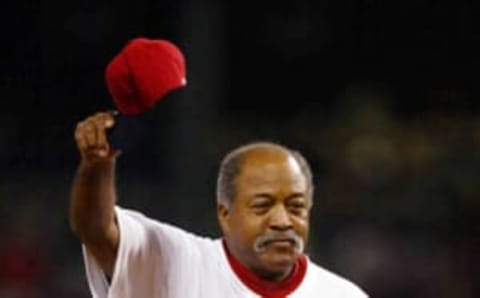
(282,242)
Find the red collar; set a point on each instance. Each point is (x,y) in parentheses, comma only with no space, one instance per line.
(265,288)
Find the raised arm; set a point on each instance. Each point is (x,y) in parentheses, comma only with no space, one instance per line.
(93,193)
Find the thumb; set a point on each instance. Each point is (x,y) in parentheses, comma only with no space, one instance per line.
(114,153)
(110,119)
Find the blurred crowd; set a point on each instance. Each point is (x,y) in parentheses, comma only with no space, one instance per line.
(397,172)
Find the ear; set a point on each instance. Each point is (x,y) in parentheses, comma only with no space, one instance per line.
(223,215)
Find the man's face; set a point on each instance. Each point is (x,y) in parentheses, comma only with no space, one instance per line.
(266,226)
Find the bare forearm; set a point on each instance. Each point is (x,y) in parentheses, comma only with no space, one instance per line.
(92,201)
(93,195)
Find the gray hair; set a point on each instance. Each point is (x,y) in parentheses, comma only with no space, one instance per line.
(231,165)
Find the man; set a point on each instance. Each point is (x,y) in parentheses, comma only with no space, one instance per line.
(264,196)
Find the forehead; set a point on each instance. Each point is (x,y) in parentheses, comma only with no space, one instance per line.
(270,168)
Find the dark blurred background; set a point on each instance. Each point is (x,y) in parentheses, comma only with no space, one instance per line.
(381,96)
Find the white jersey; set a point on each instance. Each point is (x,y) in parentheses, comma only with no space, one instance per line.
(157,260)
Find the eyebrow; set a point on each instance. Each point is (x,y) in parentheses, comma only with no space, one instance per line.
(296,195)
(269,196)
(263,195)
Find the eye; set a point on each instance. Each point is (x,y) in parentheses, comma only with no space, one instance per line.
(297,207)
(260,206)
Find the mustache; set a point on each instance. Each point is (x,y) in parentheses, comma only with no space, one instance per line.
(262,241)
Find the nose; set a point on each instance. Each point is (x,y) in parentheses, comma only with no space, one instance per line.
(280,219)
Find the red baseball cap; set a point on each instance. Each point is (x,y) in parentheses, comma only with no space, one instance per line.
(143,72)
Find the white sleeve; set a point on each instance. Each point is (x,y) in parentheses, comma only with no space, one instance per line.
(147,252)
(97,280)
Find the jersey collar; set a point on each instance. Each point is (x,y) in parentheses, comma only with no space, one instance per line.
(265,288)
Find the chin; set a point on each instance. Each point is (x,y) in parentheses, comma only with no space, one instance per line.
(276,271)
(279,262)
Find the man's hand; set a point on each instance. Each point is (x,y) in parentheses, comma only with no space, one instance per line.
(92,141)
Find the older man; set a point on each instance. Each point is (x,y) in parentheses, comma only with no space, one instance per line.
(264,197)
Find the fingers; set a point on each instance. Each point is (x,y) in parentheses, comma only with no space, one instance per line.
(100,137)
(91,135)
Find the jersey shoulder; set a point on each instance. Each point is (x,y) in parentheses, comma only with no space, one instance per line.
(325,281)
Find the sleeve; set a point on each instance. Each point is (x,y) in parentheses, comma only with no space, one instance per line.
(143,258)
